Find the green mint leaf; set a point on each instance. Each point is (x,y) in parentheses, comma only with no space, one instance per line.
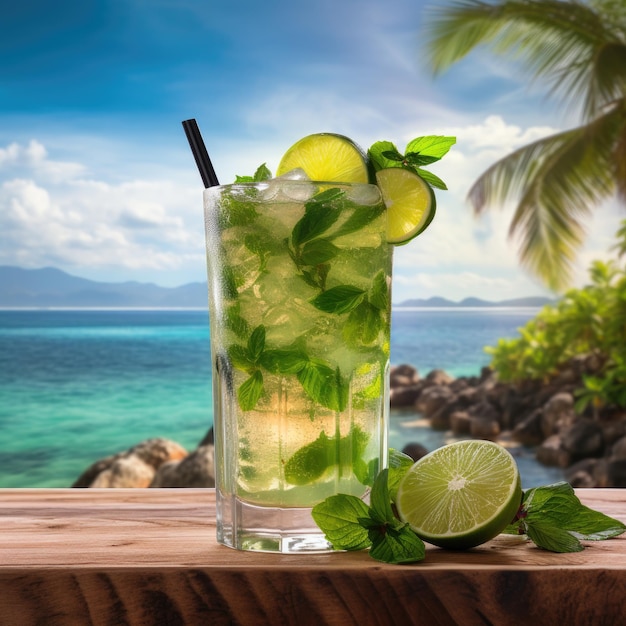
(320,213)
(311,278)
(283,361)
(309,462)
(553,538)
(365,472)
(396,545)
(240,358)
(416,160)
(318,251)
(363,325)
(393,155)
(250,391)
(238,212)
(338,518)
(340,299)
(256,343)
(317,219)
(431,179)
(324,385)
(356,443)
(392,540)
(377,156)
(431,145)
(229,282)
(326,197)
(548,512)
(380,503)
(399,463)
(590,525)
(379,292)
(235,323)
(260,244)
(262,173)
(353,447)
(360,218)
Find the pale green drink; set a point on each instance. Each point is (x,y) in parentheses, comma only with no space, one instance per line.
(299,283)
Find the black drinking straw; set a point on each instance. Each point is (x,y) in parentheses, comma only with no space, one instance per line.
(200,154)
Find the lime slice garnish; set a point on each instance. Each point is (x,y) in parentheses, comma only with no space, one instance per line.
(327,157)
(410,203)
(461,495)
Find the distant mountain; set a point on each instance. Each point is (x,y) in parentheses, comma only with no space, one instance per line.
(50,287)
(531,301)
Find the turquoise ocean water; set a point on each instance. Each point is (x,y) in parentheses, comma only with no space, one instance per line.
(76,386)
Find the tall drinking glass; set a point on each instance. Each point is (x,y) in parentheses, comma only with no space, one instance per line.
(299,300)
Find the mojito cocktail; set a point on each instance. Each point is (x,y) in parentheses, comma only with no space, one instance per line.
(299,281)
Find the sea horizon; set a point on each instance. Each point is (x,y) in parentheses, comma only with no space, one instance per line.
(77,385)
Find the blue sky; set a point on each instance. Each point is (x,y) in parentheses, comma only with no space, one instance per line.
(96,177)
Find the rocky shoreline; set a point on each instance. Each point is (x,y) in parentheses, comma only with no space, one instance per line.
(591,449)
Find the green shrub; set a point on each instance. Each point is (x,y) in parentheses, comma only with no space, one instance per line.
(585,322)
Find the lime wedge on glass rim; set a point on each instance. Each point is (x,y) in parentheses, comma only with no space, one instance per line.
(327,157)
(410,203)
(460,495)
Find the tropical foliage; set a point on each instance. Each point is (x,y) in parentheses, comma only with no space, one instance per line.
(588,322)
(579,49)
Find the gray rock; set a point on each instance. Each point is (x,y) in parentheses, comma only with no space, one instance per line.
(125,472)
(460,422)
(415,450)
(583,439)
(438,377)
(528,432)
(484,428)
(404,396)
(551,452)
(195,470)
(432,399)
(617,473)
(403,376)
(557,412)
(618,450)
(134,467)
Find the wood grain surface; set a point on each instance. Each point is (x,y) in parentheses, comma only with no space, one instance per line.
(109,557)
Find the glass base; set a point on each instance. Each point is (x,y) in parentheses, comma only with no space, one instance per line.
(246,526)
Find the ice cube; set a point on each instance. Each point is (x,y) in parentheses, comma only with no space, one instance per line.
(291,186)
(295,174)
(365,195)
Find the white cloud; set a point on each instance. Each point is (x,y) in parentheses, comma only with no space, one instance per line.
(149,227)
(79,223)
(34,157)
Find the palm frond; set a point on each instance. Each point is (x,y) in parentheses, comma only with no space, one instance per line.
(566,43)
(556,181)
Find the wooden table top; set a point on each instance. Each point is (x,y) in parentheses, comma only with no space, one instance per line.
(149,556)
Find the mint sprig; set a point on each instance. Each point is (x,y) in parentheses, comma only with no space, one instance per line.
(262,173)
(552,517)
(349,524)
(419,152)
(555,519)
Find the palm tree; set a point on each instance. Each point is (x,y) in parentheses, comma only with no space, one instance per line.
(579,48)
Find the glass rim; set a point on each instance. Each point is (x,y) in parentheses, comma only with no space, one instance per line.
(265,183)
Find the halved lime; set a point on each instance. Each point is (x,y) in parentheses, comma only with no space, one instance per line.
(461,495)
(410,203)
(327,157)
